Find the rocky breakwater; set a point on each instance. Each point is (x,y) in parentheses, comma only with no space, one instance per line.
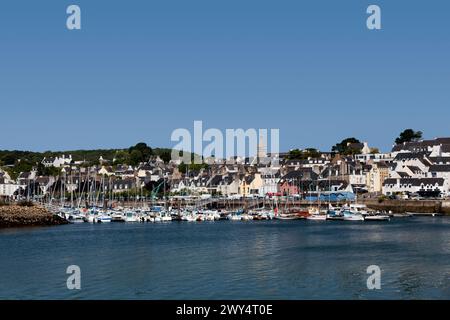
(19,215)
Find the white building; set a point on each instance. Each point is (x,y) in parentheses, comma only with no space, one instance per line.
(57,161)
(8,189)
(269,184)
(374,157)
(440,171)
(412,185)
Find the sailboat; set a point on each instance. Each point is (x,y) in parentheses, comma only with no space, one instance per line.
(314,213)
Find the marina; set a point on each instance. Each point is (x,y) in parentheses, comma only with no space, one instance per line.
(155,214)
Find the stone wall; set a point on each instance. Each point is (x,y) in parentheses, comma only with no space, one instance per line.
(417,206)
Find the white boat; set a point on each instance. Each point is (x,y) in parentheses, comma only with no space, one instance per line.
(315,214)
(284,216)
(130,216)
(376,217)
(246,217)
(351,216)
(235,217)
(165,218)
(103,219)
(117,217)
(76,218)
(317,217)
(358,208)
(191,218)
(201,217)
(91,218)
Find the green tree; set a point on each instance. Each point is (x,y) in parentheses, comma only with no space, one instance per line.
(312,153)
(136,157)
(183,167)
(409,135)
(166,156)
(345,147)
(295,154)
(121,157)
(145,151)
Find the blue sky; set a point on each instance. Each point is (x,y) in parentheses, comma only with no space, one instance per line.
(140,69)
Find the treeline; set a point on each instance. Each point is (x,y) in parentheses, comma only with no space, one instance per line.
(15,161)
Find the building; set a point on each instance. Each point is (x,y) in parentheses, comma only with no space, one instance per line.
(57,162)
(376,176)
(251,184)
(7,188)
(424,186)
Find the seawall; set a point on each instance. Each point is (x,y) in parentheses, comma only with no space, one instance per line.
(402,206)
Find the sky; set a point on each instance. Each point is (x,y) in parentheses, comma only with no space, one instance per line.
(137,70)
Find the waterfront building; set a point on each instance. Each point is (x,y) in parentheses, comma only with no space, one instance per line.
(376,176)
(7,187)
(251,184)
(269,183)
(424,186)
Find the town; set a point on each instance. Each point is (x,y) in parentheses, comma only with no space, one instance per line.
(140,177)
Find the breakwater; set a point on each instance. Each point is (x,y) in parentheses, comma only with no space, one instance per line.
(18,216)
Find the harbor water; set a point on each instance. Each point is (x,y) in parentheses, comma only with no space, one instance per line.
(229,260)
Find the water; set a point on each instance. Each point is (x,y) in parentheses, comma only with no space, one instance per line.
(229,260)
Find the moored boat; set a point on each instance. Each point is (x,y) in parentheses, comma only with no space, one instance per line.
(334,215)
(376,217)
(103,219)
(352,216)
